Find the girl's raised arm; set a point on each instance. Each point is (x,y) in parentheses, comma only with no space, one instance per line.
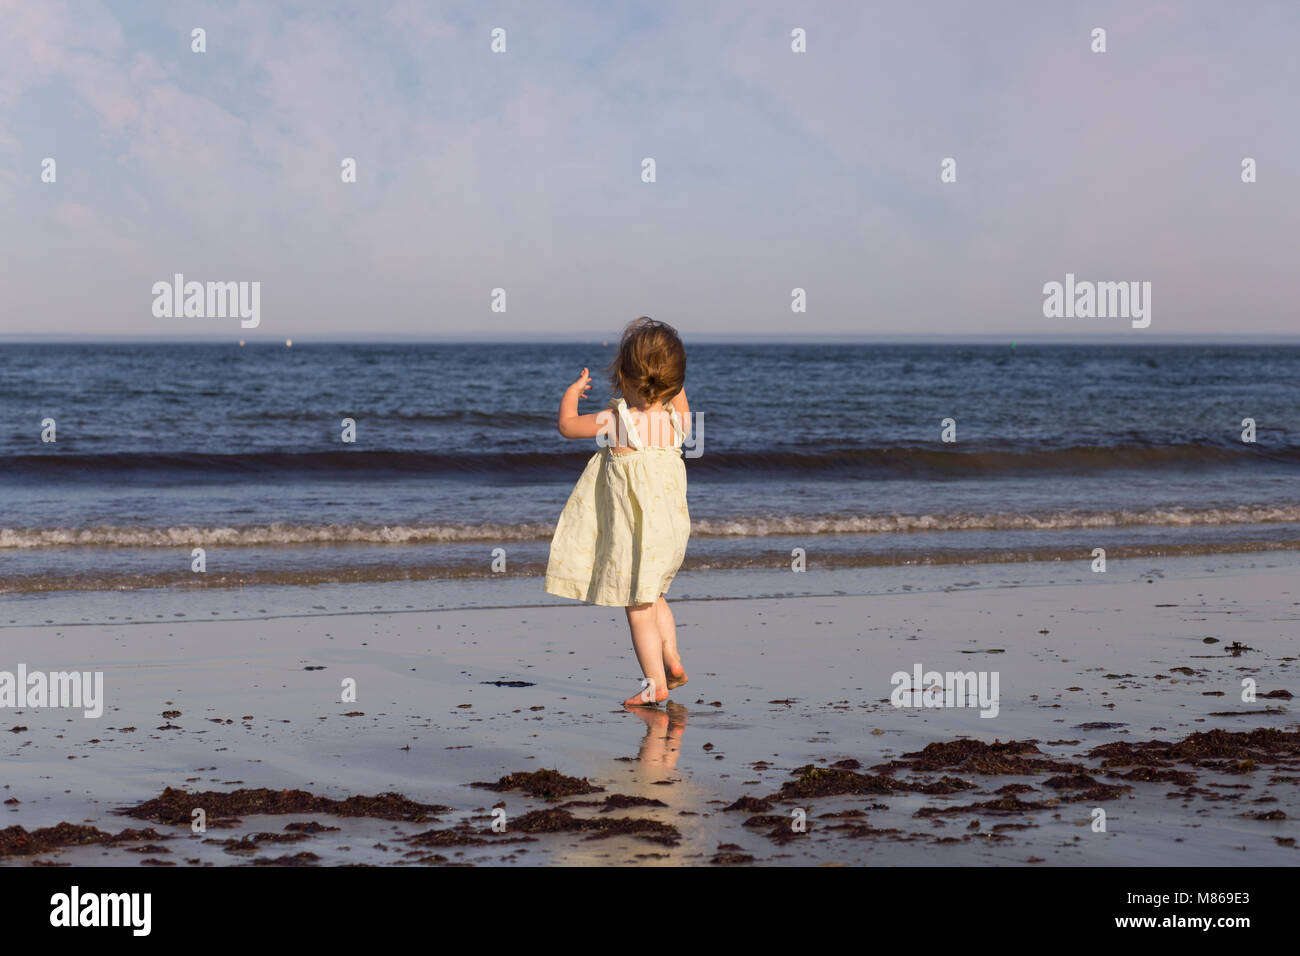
(570,423)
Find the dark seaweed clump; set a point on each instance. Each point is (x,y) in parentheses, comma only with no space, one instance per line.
(1226,751)
(547,784)
(617,801)
(553,820)
(176,806)
(1013,758)
(16,841)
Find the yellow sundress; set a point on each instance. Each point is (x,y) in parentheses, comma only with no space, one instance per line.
(622,534)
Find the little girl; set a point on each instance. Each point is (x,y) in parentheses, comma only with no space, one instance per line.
(622,534)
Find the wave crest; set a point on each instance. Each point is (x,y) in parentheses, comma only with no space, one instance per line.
(750,526)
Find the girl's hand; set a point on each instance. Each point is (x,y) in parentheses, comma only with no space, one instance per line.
(583,384)
(570,423)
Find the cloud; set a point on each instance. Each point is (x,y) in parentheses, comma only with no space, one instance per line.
(522,171)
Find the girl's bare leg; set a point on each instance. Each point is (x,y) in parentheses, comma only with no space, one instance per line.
(673,669)
(646,641)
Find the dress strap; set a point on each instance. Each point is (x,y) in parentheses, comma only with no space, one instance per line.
(633,438)
(677,424)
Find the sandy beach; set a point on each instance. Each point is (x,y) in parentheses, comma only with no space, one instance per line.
(789,705)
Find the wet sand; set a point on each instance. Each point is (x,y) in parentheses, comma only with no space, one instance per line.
(790,687)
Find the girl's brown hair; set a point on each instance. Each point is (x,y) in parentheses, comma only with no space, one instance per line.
(651,362)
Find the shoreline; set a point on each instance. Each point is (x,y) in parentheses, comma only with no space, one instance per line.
(478,570)
(344,565)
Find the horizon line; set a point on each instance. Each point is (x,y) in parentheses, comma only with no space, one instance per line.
(571,338)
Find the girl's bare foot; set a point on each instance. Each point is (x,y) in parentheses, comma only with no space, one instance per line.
(646,699)
(674,671)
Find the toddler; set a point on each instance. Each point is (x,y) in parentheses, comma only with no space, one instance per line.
(622,535)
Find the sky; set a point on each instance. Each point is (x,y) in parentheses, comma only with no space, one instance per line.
(522,170)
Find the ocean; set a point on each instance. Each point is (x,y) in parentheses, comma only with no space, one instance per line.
(832,449)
